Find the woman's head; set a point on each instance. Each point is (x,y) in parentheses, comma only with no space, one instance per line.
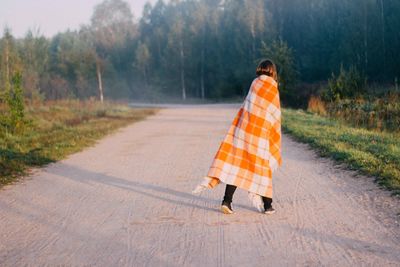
(267,67)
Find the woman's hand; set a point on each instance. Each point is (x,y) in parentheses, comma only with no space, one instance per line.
(203,186)
(200,188)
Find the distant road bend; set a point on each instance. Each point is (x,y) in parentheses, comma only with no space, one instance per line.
(126,202)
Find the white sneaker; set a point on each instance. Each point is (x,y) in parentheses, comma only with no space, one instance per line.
(226,208)
(270,211)
(257,201)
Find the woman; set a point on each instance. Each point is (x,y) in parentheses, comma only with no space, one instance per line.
(251,150)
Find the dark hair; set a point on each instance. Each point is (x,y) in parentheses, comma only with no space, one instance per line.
(267,67)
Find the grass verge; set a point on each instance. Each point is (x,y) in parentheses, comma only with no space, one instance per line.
(371,152)
(57,129)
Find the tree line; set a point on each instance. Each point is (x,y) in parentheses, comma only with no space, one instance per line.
(206,49)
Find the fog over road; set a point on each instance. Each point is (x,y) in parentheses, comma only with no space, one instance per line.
(126,202)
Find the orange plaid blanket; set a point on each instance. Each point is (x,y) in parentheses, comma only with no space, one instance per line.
(251,150)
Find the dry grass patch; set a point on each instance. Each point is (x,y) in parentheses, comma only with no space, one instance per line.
(57,129)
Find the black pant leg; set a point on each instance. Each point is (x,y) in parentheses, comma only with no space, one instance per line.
(229,190)
(267,202)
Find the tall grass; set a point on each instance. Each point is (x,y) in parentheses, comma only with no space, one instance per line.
(316,105)
(381,113)
(55,129)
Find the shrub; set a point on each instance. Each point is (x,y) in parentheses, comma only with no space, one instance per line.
(349,83)
(13,117)
(15,101)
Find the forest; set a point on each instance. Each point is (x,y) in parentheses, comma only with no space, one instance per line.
(208,50)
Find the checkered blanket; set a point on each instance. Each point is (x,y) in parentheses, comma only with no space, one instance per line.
(251,150)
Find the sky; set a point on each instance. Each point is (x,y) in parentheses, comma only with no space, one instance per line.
(52,16)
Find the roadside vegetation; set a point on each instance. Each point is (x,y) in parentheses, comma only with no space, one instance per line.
(355,123)
(348,98)
(371,152)
(373,113)
(50,131)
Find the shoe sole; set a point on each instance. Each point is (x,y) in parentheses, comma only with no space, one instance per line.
(226,210)
(270,212)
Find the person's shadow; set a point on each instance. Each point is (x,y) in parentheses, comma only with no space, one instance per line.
(150,190)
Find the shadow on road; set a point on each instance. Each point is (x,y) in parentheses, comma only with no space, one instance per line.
(84,176)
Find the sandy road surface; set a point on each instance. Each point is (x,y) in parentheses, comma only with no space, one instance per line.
(127,202)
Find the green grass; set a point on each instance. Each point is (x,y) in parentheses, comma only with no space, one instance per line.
(370,152)
(55,130)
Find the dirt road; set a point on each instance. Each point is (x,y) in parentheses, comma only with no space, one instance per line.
(127,202)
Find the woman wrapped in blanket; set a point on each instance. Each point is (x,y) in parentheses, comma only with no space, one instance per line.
(251,150)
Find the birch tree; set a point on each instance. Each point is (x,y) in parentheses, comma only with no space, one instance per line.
(142,61)
(177,43)
(111,25)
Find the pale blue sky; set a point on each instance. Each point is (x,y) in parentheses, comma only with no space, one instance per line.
(51,16)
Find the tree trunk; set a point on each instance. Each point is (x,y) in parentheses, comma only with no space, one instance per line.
(182,69)
(99,80)
(145,77)
(203,93)
(7,81)
(202,62)
(383,35)
(253,44)
(365,37)
(159,48)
